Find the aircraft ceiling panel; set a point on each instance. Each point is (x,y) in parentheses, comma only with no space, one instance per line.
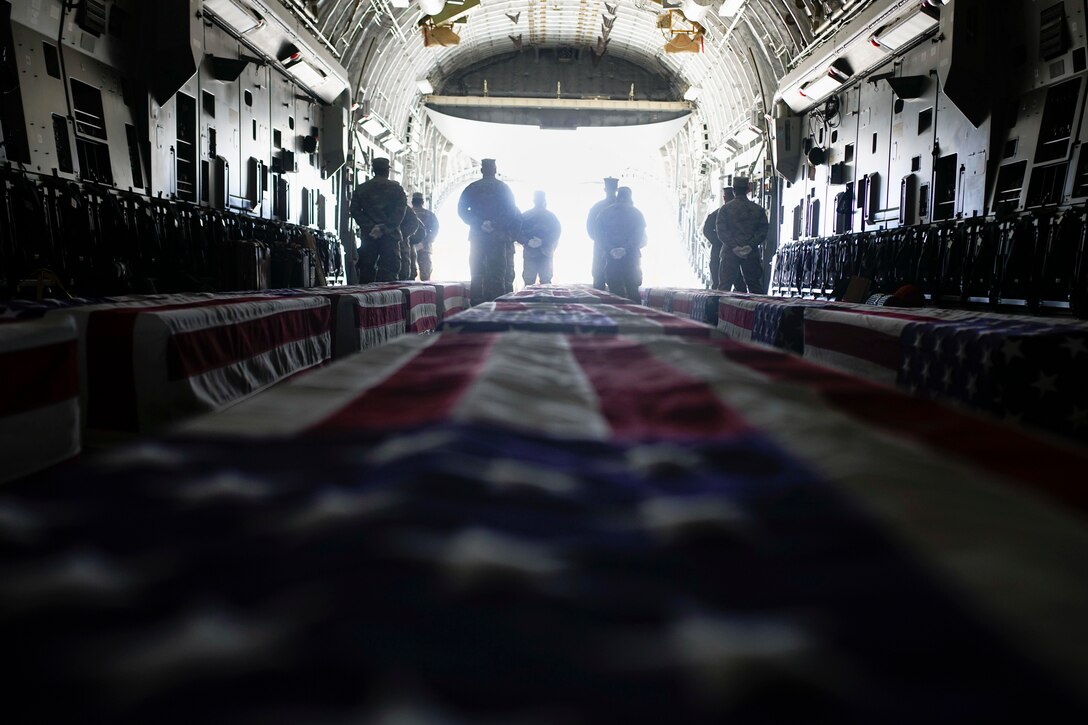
(383,49)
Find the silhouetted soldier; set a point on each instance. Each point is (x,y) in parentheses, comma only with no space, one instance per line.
(610,186)
(487,206)
(378,207)
(741,227)
(711,234)
(423,240)
(408,227)
(539,234)
(623,234)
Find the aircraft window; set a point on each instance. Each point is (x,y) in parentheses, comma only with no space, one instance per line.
(52,62)
(925,120)
(247,98)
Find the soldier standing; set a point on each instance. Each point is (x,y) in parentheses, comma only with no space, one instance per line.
(408,228)
(423,240)
(540,230)
(610,186)
(711,233)
(378,207)
(487,205)
(623,234)
(741,226)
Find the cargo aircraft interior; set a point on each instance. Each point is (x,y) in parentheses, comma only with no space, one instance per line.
(533,361)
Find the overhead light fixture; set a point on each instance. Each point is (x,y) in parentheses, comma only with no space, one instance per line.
(729,8)
(823,85)
(695,10)
(724,152)
(746,135)
(692,93)
(401,4)
(393,144)
(431,7)
(373,126)
(238,15)
(424,86)
(902,32)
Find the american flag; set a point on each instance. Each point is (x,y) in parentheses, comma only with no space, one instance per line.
(1027,372)
(675,531)
(597,318)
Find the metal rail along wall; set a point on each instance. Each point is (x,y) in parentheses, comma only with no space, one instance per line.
(957,164)
(142,141)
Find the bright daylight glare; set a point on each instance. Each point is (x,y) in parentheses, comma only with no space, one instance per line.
(569,165)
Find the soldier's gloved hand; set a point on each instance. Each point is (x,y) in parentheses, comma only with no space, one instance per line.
(742,252)
(618,253)
(487,226)
(534,242)
(377,231)
(418,246)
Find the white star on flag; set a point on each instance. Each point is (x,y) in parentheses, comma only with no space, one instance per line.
(1011,349)
(947,379)
(1046,383)
(972,385)
(1075,346)
(961,351)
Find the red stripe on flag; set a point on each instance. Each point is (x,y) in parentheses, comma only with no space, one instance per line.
(197,352)
(423,391)
(1034,462)
(739,316)
(367,316)
(38,376)
(875,346)
(111,378)
(643,397)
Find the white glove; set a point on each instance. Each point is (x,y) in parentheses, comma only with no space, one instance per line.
(618,253)
(417,247)
(376,231)
(534,242)
(742,252)
(487,226)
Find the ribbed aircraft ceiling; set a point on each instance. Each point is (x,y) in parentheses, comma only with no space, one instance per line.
(382,46)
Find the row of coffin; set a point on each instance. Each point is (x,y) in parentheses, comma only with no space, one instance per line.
(1035,261)
(139,363)
(714,530)
(1019,368)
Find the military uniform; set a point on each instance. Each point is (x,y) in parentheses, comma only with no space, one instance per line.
(741,226)
(487,205)
(378,207)
(622,227)
(543,226)
(408,227)
(423,240)
(711,233)
(599,259)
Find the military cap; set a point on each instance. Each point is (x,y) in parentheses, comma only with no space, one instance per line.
(611,182)
(740,183)
(417,199)
(380,165)
(487,164)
